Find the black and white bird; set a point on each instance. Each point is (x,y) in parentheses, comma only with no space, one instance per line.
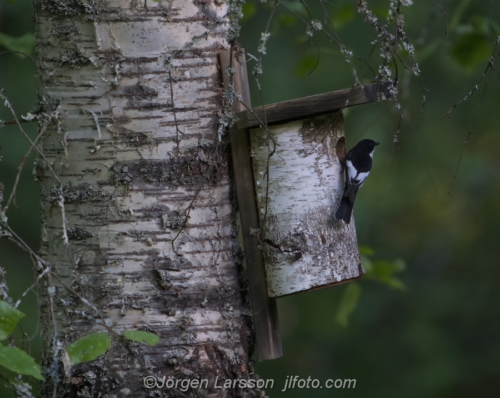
(358,163)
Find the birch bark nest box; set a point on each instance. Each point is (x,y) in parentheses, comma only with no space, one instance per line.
(299,182)
(289,181)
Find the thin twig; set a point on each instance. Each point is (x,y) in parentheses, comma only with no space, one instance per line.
(21,165)
(314,34)
(22,53)
(186,215)
(177,130)
(9,106)
(443,10)
(13,121)
(347,54)
(466,142)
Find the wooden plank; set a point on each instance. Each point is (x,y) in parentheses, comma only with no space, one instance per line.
(300,108)
(264,310)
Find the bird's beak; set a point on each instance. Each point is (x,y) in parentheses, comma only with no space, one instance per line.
(377,143)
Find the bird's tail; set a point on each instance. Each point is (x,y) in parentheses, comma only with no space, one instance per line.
(345,210)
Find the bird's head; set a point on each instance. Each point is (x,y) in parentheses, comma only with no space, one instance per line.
(366,145)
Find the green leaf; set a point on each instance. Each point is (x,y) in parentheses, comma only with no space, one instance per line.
(295,6)
(395,283)
(24,43)
(306,65)
(88,348)
(343,16)
(20,362)
(248,10)
(457,16)
(384,271)
(480,24)
(9,318)
(286,20)
(471,49)
(495,27)
(142,337)
(348,303)
(367,251)
(366,263)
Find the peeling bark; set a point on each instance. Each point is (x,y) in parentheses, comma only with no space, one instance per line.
(299,184)
(139,220)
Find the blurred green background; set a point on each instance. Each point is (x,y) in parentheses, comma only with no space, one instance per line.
(19,84)
(438,336)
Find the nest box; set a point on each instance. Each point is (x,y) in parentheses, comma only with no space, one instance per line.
(289,181)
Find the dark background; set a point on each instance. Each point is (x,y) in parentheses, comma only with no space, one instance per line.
(438,336)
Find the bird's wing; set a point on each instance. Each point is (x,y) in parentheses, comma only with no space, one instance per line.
(355,177)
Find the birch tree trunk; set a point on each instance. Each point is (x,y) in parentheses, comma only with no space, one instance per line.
(136,199)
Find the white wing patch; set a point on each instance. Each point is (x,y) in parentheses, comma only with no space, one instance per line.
(351,171)
(354,177)
(360,179)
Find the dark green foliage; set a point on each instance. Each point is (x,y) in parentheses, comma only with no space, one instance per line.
(12,358)
(471,49)
(9,318)
(24,43)
(18,361)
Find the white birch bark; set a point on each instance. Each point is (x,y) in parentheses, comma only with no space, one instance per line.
(132,91)
(299,184)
